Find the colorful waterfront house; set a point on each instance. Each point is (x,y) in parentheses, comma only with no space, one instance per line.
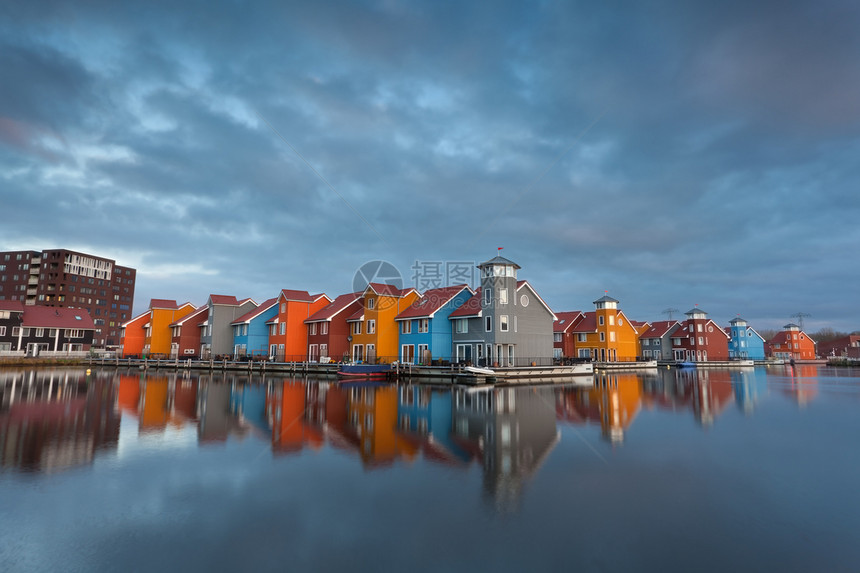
(133,335)
(699,339)
(792,344)
(328,329)
(744,342)
(288,333)
(250,331)
(375,338)
(425,331)
(216,336)
(54,329)
(513,326)
(607,335)
(185,341)
(563,334)
(842,347)
(158,334)
(656,342)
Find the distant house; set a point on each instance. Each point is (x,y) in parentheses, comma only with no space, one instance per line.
(506,324)
(425,331)
(35,329)
(162,313)
(844,347)
(792,344)
(744,342)
(563,335)
(216,335)
(186,332)
(656,342)
(607,335)
(375,336)
(250,332)
(288,333)
(133,335)
(699,339)
(328,329)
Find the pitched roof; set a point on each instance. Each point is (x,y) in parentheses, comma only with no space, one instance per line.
(335,307)
(588,323)
(296,295)
(431,301)
(388,290)
(163,303)
(357,315)
(248,316)
(468,309)
(521,284)
(12,305)
(201,314)
(566,320)
(57,317)
(659,328)
(137,318)
(223,299)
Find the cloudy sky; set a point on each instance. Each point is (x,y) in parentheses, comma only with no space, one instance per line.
(671,153)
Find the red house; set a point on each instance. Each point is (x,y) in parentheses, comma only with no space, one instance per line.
(699,339)
(328,331)
(791,344)
(563,334)
(186,331)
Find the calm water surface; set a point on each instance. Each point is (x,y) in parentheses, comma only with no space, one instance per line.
(670,470)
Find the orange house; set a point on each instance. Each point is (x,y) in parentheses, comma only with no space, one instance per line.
(288,333)
(606,335)
(133,335)
(163,313)
(792,344)
(375,334)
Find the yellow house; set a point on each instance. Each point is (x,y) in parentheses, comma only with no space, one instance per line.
(606,335)
(162,313)
(373,331)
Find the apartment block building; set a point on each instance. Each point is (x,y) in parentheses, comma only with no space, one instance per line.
(71,279)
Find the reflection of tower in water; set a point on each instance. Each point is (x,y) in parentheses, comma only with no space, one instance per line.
(619,397)
(511,430)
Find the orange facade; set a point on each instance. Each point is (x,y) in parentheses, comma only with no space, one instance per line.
(792,344)
(134,335)
(159,335)
(376,337)
(288,333)
(606,335)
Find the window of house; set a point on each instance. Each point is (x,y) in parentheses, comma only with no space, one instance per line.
(701,340)
(488,324)
(283,328)
(371,326)
(323,330)
(600,320)
(602,337)
(312,328)
(370,303)
(503,296)
(283,307)
(406,327)
(699,327)
(556,337)
(16,330)
(40,332)
(612,336)
(356,328)
(461,325)
(503,323)
(611,320)
(581,337)
(423,325)
(488,296)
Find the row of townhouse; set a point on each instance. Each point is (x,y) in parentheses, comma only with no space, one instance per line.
(607,335)
(504,322)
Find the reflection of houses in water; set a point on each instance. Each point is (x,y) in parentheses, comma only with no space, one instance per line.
(153,404)
(613,402)
(425,418)
(53,420)
(511,430)
(286,413)
(703,390)
(747,388)
(372,419)
(248,403)
(802,383)
(216,423)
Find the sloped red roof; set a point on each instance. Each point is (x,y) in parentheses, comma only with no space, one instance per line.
(200,315)
(471,307)
(12,305)
(357,315)
(335,307)
(389,290)
(264,306)
(588,323)
(223,299)
(431,301)
(296,295)
(659,328)
(163,303)
(138,318)
(566,320)
(56,317)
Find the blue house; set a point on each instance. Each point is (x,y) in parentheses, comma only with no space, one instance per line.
(250,332)
(425,331)
(744,342)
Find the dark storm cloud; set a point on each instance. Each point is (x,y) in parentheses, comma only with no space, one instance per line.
(664,151)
